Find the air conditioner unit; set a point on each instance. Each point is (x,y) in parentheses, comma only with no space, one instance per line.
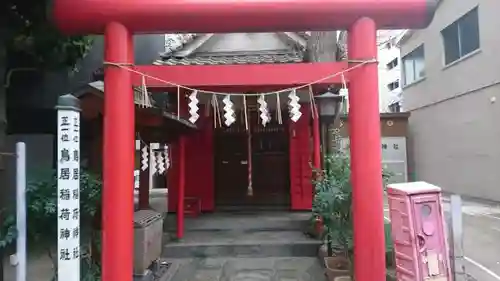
(148,233)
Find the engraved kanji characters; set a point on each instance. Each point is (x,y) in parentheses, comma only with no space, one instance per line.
(64,174)
(64,214)
(68,186)
(64,194)
(64,233)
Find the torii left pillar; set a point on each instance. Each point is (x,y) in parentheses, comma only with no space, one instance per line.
(118,157)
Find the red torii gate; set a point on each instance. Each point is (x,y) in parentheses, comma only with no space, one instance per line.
(119,19)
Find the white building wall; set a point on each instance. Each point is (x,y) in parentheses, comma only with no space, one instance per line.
(388,74)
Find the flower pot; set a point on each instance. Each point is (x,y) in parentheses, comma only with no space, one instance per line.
(322,253)
(336,267)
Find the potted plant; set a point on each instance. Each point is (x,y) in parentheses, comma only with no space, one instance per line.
(332,202)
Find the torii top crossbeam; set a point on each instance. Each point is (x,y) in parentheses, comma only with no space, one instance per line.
(219,16)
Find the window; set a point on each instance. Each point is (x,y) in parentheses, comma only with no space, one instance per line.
(395,107)
(414,66)
(461,37)
(394,85)
(392,64)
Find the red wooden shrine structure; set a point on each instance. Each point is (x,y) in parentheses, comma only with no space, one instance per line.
(118,20)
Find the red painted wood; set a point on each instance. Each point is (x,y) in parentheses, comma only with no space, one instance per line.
(145,118)
(182,174)
(209,16)
(200,163)
(173,172)
(316,142)
(144,189)
(182,187)
(118,159)
(91,106)
(366,159)
(301,189)
(199,168)
(240,77)
(173,177)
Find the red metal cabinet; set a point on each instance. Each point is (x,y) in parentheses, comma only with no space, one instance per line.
(418,232)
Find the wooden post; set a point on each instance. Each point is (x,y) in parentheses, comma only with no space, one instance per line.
(182,187)
(118,157)
(366,155)
(144,179)
(316,141)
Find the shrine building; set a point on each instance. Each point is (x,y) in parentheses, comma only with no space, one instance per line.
(246,165)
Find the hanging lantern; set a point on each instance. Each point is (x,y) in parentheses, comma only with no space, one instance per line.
(329,104)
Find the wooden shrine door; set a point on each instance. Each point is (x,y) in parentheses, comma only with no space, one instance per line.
(231,166)
(270,163)
(267,153)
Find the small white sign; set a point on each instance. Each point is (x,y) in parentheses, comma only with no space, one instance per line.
(68,192)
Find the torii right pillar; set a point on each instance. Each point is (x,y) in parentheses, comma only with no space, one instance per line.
(365,147)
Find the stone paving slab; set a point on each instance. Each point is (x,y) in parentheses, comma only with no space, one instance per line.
(249,269)
(237,243)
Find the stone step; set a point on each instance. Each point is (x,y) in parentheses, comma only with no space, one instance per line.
(225,221)
(233,243)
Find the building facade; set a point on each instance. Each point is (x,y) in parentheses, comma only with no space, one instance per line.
(450,86)
(389,73)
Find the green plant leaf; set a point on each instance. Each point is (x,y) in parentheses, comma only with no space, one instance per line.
(41,201)
(333,201)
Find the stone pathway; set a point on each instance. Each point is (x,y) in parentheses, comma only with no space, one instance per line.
(247,269)
(39,268)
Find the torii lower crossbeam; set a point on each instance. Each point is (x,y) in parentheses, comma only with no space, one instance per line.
(242,78)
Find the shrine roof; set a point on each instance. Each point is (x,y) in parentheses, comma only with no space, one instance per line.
(189,49)
(278,57)
(177,42)
(97,88)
